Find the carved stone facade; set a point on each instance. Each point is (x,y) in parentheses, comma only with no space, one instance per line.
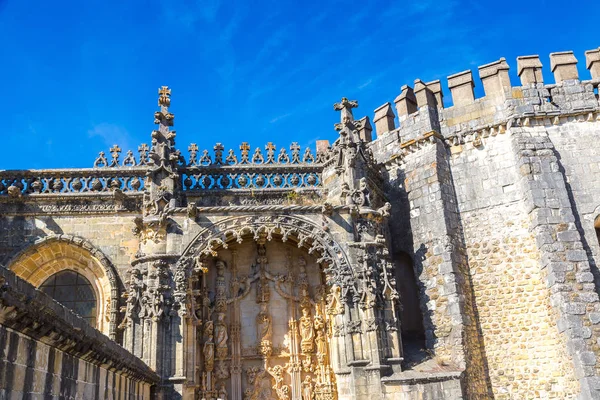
(254,274)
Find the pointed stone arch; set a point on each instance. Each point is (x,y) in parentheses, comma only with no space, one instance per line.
(304,232)
(54,253)
(231,233)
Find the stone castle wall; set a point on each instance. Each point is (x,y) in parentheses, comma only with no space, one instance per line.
(517,211)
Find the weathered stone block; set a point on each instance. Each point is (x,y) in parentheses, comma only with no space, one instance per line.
(564,66)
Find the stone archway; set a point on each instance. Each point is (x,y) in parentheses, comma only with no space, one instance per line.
(306,233)
(258,306)
(56,253)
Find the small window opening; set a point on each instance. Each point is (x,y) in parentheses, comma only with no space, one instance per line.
(73,291)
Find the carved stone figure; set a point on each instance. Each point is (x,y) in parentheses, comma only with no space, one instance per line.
(209,347)
(264,323)
(320,339)
(222,392)
(221,336)
(307,332)
(307,388)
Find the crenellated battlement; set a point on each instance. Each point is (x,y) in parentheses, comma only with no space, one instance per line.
(420,109)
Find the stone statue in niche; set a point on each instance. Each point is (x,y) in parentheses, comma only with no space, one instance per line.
(221,336)
(334,302)
(307,332)
(307,388)
(263,321)
(307,365)
(321,340)
(209,347)
(222,392)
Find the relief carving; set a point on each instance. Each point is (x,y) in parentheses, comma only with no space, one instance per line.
(279,363)
(209,347)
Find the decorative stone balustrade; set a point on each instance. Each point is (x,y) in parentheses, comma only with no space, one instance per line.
(71,181)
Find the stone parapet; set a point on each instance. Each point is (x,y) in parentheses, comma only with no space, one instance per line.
(502,101)
(502,104)
(461,86)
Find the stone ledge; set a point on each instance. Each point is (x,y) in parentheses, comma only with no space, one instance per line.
(414,378)
(26,310)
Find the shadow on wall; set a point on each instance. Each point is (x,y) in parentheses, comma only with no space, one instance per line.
(579,225)
(416,318)
(412,318)
(18,233)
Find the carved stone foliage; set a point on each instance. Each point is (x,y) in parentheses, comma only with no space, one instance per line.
(149,294)
(375,277)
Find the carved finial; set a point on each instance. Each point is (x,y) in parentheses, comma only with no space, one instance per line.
(245,148)
(270,147)
(164,96)
(295,148)
(346,106)
(143,150)
(114,152)
(218,148)
(193,149)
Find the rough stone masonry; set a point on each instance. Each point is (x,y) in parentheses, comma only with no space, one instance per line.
(453,256)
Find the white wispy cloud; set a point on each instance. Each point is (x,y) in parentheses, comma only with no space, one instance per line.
(111,134)
(365,84)
(279,118)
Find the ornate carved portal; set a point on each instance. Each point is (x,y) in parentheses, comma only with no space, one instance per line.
(261,324)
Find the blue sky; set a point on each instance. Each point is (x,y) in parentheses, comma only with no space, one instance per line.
(80,76)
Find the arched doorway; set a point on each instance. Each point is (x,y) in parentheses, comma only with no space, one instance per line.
(262,309)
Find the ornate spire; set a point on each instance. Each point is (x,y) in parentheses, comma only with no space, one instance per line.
(163,154)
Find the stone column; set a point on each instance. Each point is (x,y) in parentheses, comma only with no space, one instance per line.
(154,327)
(361,327)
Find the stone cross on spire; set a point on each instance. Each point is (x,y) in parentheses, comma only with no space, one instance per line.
(163,117)
(345,106)
(164,96)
